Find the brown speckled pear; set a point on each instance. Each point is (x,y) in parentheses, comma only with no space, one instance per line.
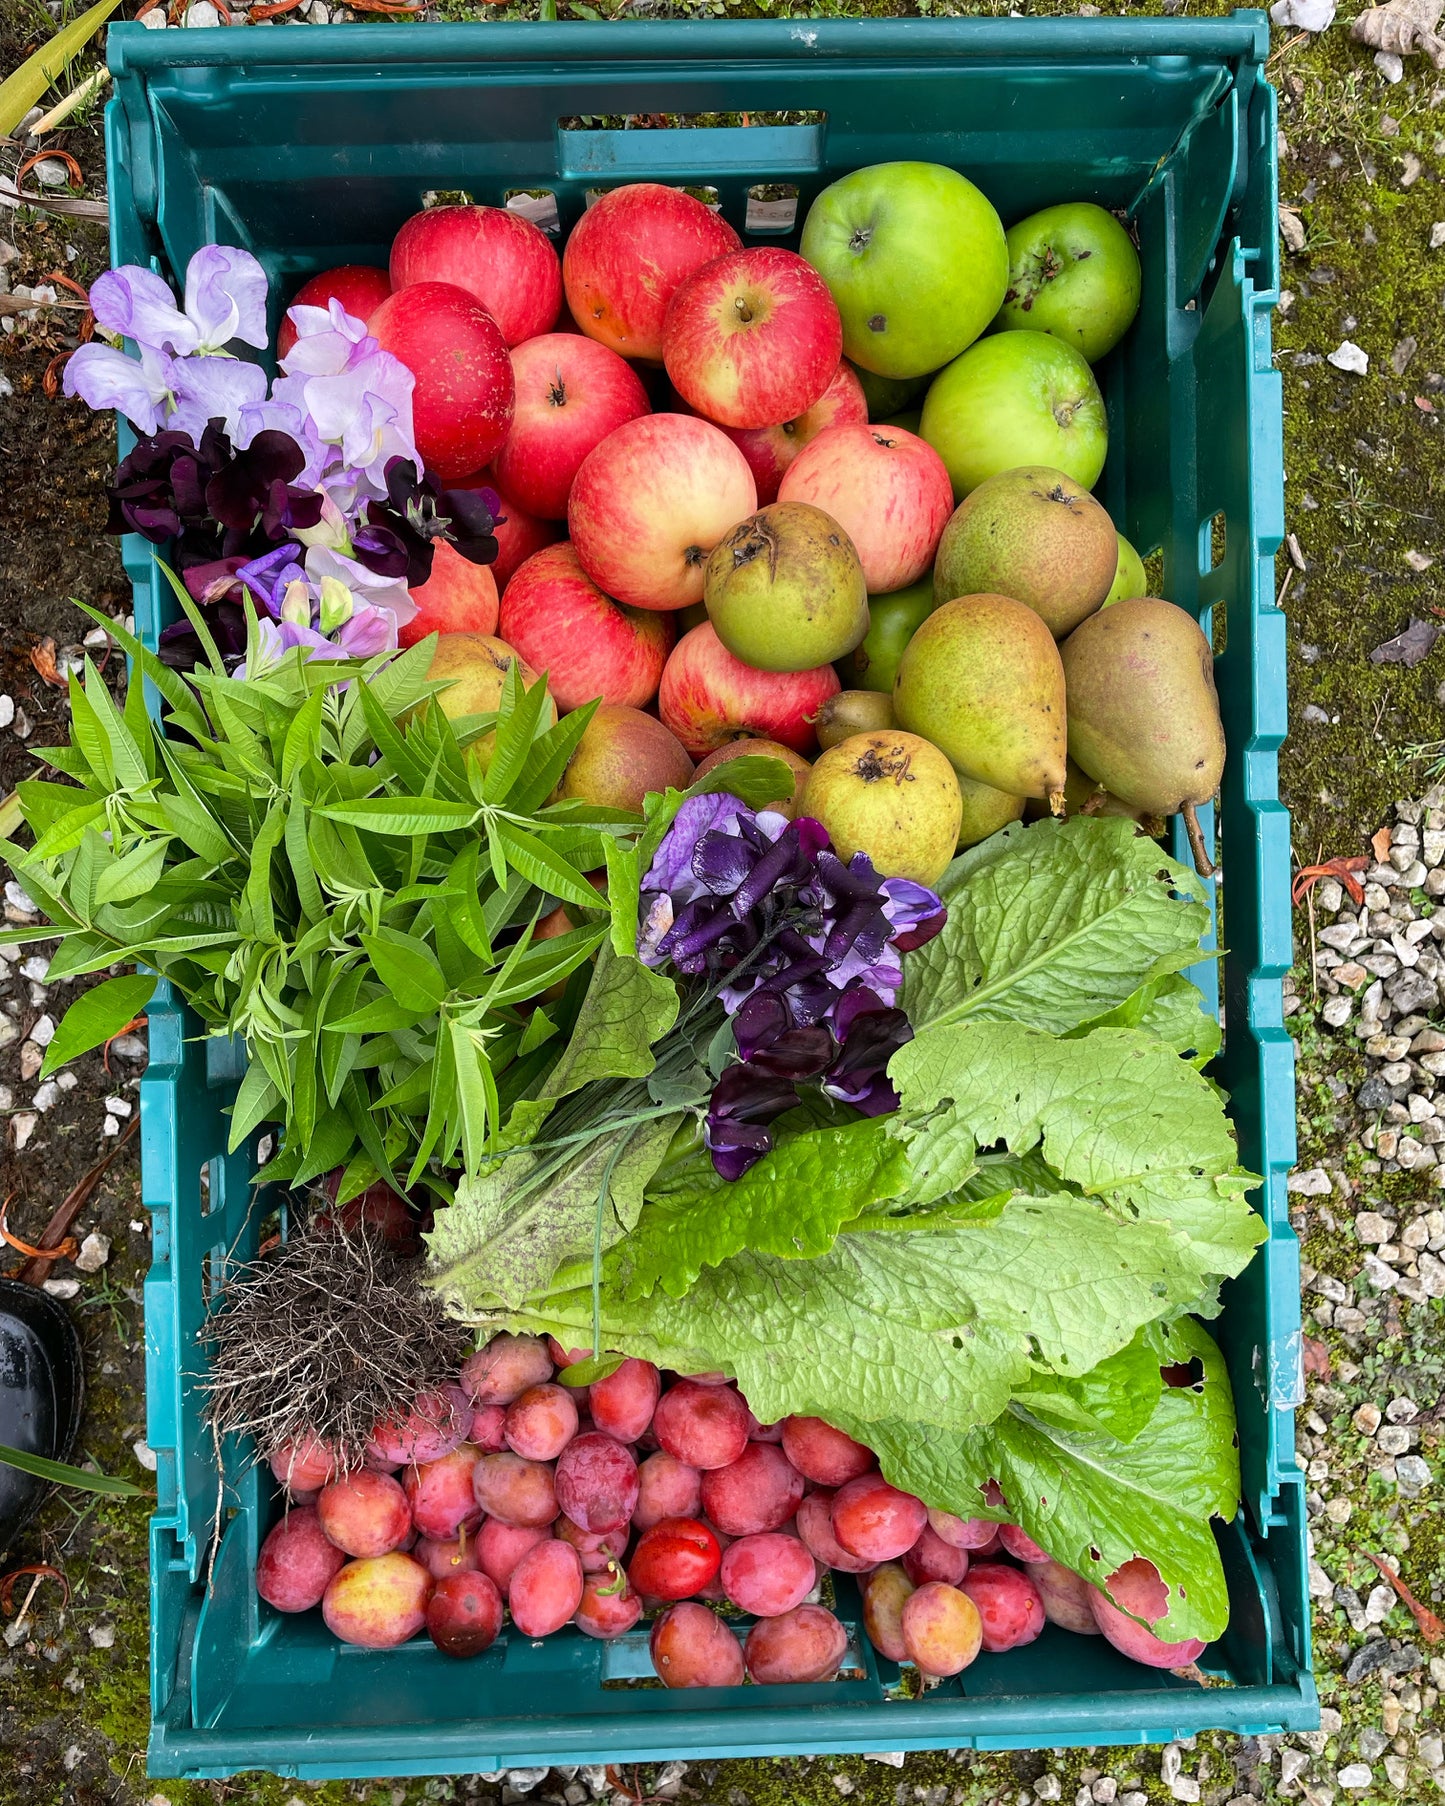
(1033,534)
(1143,711)
(982,680)
(892,796)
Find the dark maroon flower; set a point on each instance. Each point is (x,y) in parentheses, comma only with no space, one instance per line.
(401,532)
(871,1037)
(744,1102)
(252,486)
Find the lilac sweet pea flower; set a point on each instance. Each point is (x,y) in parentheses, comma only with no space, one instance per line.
(106,378)
(213,388)
(225,300)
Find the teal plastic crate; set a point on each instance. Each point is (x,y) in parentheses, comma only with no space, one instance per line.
(310,147)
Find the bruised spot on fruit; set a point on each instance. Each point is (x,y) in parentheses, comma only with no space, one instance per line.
(877,322)
(874,766)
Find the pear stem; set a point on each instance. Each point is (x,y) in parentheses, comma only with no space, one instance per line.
(1203,864)
(1056,802)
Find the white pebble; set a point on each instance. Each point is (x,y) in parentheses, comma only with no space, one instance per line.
(18,898)
(44,1032)
(102,1636)
(1354,1775)
(35,967)
(145,1455)
(1349,357)
(110,1126)
(67,1081)
(117,1106)
(7,710)
(94,1252)
(62,1288)
(1437,235)
(1390,66)
(47,1096)
(22,1126)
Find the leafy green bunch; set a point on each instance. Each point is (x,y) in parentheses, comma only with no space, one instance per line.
(998,1283)
(319,860)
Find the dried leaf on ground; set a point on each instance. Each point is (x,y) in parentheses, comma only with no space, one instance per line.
(1403,28)
(1409,648)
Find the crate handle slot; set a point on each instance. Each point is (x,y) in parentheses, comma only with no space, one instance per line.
(695,154)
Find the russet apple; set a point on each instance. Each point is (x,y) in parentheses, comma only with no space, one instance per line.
(770,450)
(651,501)
(571,393)
(626,257)
(458,597)
(504,260)
(889,491)
(708,697)
(588,645)
(752,339)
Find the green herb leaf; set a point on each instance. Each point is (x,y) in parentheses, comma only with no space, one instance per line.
(62,1474)
(95,1016)
(407,968)
(401,815)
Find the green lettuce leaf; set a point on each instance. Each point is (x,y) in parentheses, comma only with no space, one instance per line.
(507,1231)
(1092,1500)
(627,1009)
(1118,1114)
(791,1204)
(1172,1010)
(941,1323)
(1053,925)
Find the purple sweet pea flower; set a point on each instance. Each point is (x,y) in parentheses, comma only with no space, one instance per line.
(859,1075)
(267,576)
(141,389)
(135,303)
(672,864)
(357,396)
(914,913)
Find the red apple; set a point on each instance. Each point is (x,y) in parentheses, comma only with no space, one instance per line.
(518,534)
(359,287)
(752,339)
(458,597)
(505,261)
(571,393)
(886,488)
(622,755)
(462,403)
(626,257)
(770,450)
(708,697)
(561,623)
(649,504)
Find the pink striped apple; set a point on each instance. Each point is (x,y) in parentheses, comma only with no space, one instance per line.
(752,339)
(505,261)
(562,624)
(889,491)
(651,501)
(571,393)
(708,697)
(770,450)
(462,402)
(627,255)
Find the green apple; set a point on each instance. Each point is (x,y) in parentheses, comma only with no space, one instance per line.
(916,259)
(1073,272)
(885,395)
(1016,398)
(892,622)
(1129,579)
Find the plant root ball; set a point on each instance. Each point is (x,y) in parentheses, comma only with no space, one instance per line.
(464,1615)
(891,795)
(464,395)
(1008,1603)
(502,260)
(692,1647)
(378,1602)
(941,1627)
(805,1644)
(297,1563)
(622,757)
(764,749)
